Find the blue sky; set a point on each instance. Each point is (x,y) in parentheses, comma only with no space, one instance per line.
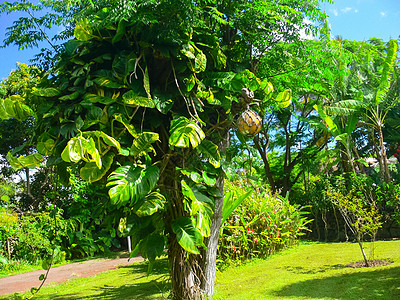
(352,19)
(363,19)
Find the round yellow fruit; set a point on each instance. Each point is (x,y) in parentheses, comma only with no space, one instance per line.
(249,123)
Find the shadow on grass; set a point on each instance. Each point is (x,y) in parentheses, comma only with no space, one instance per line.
(375,284)
(307,270)
(158,283)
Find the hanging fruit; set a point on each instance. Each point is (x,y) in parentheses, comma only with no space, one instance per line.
(249,123)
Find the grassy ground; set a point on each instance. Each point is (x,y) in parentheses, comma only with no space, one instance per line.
(310,271)
(315,271)
(128,282)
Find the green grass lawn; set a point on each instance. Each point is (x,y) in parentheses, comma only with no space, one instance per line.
(310,271)
(315,271)
(127,282)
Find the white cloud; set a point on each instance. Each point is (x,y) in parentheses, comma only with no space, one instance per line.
(383,14)
(335,12)
(346,10)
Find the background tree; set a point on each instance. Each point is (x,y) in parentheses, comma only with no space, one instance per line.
(292,129)
(16,134)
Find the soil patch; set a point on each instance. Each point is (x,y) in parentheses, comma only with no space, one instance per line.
(24,282)
(372,263)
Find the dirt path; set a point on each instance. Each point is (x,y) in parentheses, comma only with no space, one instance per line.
(24,282)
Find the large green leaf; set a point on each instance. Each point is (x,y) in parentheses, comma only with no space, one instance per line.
(146,83)
(131,129)
(93,98)
(200,62)
(200,59)
(31,161)
(184,132)
(5,112)
(142,144)
(201,208)
(190,82)
(327,119)
(189,51)
(284,98)
(82,30)
(150,247)
(91,173)
(266,86)
(81,148)
(72,96)
(46,92)
(162,102)
(120,31)
(194,176)
(108,140)
(153,246)
(93,116)
(71,46)
(209,180)
(187,235)
(202,219)
(124,64)
(153,202)
(46,147)
(131,98)
(388,69)
(13,107)
(131,183)
(106,82)
(210,151)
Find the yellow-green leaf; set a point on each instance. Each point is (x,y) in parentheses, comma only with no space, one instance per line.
(91,173)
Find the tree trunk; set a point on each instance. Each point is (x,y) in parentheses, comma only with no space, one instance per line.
(337,223)
(185,277)
(323,216)
(193,276)
(385,168)
(267,169)
(185,272)
(210,256)
(362,250)
(9,249)
(360,165)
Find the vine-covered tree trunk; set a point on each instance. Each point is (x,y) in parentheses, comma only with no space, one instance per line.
(185,272)
(186,268)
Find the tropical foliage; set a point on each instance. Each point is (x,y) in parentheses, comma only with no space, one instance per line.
(262,225)
(143,103)
(129,121)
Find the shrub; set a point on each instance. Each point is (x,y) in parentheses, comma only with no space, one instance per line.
(388,199)
(356,202)
(8,226)
(262,225)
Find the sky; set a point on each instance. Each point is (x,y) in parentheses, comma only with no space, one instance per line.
(362,19)
(352,19)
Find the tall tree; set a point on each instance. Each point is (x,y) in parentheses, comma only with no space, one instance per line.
(380,94)
(16,134)
(145,101)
